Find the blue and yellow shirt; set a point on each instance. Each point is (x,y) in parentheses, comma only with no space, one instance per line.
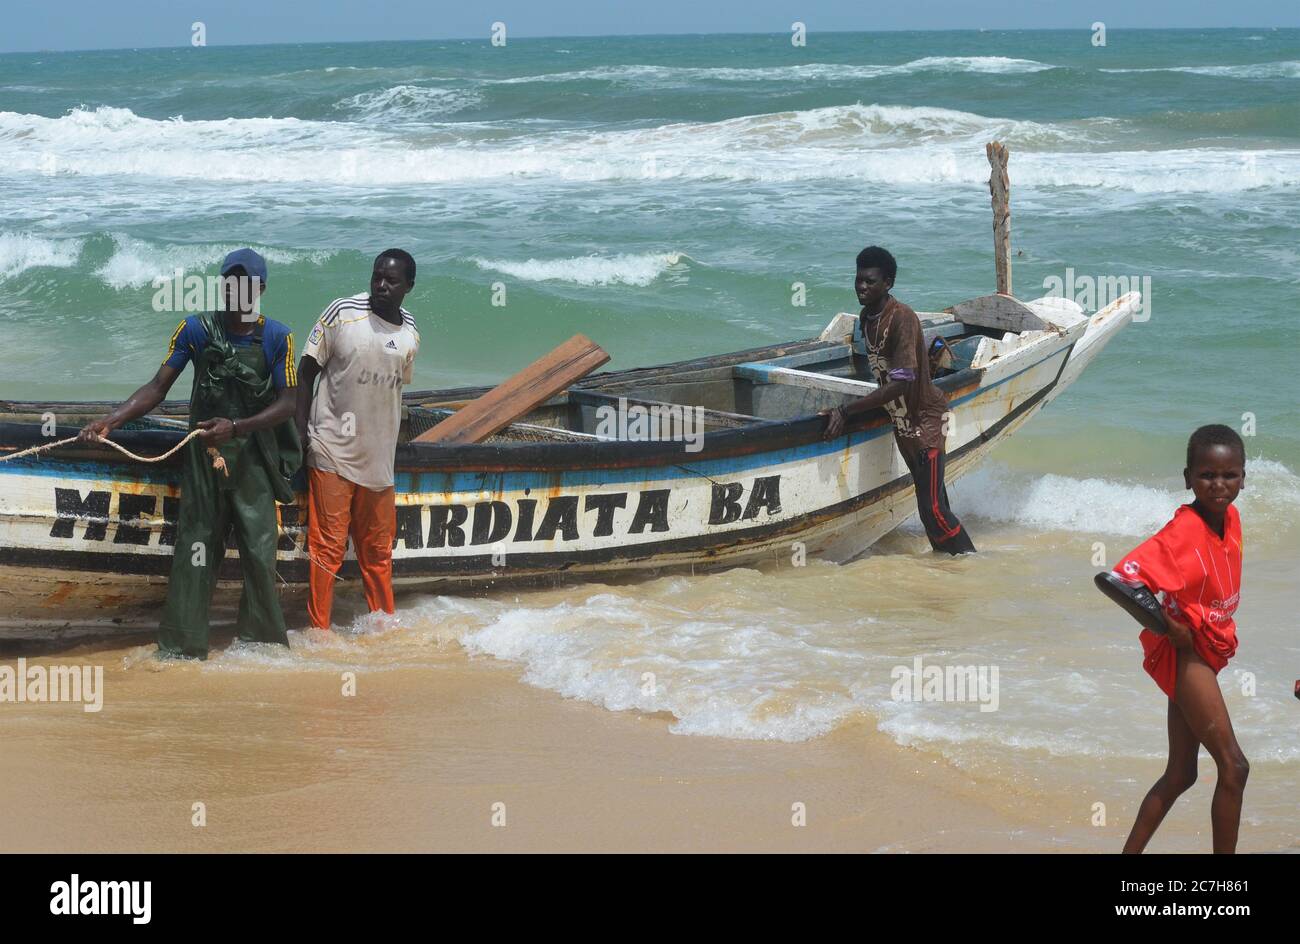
(189,339)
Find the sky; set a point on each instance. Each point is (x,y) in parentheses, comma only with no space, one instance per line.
(126,24)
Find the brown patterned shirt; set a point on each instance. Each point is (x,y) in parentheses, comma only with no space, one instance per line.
(895,348)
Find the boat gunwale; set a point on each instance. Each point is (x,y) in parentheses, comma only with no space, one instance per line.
(763,436)
(432,398)
(431,458)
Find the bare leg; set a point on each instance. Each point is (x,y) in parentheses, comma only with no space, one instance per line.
(1179,775)
(1201,702)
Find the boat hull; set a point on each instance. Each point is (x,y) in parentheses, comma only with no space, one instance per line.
(86,545)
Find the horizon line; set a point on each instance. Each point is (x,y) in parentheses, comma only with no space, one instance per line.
(487,39)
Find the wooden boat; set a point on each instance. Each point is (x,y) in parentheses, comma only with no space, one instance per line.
(86,537)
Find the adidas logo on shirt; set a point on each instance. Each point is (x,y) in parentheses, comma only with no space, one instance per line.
(391,343)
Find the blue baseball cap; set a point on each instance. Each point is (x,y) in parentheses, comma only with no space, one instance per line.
(251,262)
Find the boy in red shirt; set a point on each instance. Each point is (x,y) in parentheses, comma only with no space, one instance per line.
(1195,560)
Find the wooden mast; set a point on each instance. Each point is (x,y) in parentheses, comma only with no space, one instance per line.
(1000,191)
(1001,310)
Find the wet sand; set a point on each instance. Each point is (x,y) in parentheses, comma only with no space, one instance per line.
(417,759)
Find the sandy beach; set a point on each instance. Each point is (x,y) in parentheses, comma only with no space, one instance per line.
(420,757)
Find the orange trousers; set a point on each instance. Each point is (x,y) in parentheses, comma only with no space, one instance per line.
(335,508)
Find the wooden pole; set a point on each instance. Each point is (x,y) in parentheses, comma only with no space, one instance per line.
(1000,191)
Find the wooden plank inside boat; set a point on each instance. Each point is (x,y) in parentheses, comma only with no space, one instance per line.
(532,386)
(765,373)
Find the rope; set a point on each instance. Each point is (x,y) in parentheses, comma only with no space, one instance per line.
(218,462)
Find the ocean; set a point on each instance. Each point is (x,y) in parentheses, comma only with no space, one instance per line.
(676,196)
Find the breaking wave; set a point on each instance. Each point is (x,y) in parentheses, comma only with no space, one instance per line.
(882,144)
(1289,69)
(809,72)
(1102,506)
(408,103)
(22,251)
(628,269)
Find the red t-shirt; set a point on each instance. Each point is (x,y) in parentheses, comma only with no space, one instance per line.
(1200,575)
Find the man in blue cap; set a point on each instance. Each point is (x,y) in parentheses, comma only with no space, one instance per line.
(243,400)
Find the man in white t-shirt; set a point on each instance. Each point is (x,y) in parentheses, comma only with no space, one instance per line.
(363,350)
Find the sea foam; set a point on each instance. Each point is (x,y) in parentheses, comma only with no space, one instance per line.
(1289,69)
(717,672)
(880,144)
(627,269)
(408,102)
(135,263)
(20,252)
(667,76)
(1103,506)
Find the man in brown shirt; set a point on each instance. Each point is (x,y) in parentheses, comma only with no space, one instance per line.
(889,334)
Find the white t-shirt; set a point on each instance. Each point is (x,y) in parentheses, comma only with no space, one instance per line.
(357,409)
